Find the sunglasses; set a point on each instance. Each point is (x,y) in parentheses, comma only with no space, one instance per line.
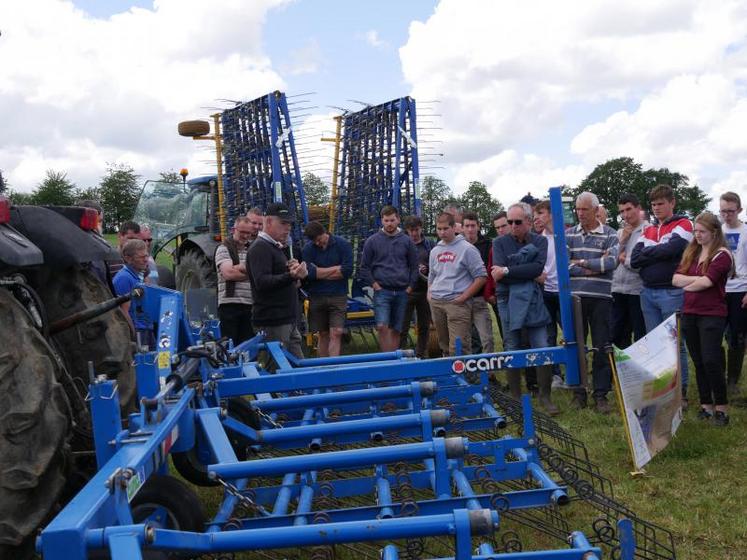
(148,240)
(515,222)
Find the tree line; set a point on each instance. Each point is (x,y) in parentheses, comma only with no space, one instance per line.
(118,192)
(119,189)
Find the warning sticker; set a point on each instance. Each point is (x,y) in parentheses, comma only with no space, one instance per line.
(164,360)
(133,485)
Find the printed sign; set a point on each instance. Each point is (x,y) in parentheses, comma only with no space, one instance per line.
(649,382)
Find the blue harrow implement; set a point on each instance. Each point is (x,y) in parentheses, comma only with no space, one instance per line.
(366,456)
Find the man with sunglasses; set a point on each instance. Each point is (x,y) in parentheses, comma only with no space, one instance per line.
(151,275)
(518,259)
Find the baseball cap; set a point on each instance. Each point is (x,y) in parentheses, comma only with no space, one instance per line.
(281,211)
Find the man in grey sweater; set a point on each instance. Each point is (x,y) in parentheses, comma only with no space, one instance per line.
(456,274)
(389,264)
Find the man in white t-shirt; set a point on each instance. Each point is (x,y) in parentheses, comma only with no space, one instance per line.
(549,281)
(736,288)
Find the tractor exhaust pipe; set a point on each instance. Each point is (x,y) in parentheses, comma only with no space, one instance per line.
(91,312)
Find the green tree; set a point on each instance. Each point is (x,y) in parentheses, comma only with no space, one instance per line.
(20,198)
(119,194)
(316,190)
(89,193)
(55,190)
(612,178)
(170,176)
(3,183)
(434,194)
(478,199)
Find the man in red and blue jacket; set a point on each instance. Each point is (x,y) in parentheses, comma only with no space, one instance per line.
(657,255)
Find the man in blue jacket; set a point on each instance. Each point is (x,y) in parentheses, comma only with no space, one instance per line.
(389,264)
(329,259)
(518,259)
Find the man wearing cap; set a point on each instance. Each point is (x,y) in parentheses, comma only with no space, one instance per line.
(275,276)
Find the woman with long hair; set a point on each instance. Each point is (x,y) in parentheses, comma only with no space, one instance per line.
(702,273)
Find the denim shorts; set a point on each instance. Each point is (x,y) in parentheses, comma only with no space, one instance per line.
(389,308)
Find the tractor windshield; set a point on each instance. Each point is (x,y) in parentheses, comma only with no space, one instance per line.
(170,209)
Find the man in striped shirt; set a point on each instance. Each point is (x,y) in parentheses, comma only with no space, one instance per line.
(592,250)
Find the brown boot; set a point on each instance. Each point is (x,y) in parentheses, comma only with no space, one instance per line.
(544,381)
(514,383)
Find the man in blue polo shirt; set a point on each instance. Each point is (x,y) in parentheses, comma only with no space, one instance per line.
(329,259)
(135,256)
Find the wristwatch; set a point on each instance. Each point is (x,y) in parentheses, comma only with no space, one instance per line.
(505,271)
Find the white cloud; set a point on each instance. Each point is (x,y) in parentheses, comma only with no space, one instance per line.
(305,60)
(77,91)
(511,74)
(510,175)
(372,38)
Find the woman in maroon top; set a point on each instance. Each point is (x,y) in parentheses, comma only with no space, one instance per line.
(702,274)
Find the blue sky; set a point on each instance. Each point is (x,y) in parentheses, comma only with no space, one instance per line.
(530,94)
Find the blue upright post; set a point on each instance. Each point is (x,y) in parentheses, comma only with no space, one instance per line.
(106,420)
(572,374)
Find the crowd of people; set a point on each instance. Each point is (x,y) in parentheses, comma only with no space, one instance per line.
(628,281)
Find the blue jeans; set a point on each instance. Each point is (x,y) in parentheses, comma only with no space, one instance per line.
(389,308)
(657,304)
(512,339)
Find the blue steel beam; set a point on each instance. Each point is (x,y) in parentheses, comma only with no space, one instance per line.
(448,448)
(477,522)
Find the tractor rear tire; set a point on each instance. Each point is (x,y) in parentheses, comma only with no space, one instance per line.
(194,271)
(105,340)
(177,506)
(35,424)
(188,464)
(193,128)
(166,277)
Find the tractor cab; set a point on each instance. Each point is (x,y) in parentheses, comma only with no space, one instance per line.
(175,210)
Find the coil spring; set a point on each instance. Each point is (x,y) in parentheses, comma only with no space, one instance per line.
(326,474)
(604,530)
(414,548)
(321,517)
(334,414)
(569,475)
(474,459)
(404,491)
(325,498)
(388,407)
(511,542)
(322,553)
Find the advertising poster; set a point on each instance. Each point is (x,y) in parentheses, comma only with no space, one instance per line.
(649,387)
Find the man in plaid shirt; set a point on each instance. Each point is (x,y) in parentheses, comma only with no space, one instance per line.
(593,250)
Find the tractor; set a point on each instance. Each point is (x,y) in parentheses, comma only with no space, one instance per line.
(58,323)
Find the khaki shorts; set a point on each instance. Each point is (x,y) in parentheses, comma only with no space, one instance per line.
(326,312)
